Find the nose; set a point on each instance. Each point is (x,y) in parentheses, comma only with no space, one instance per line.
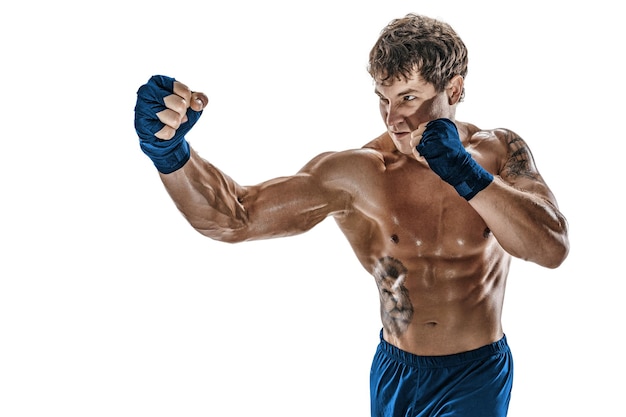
(393,116)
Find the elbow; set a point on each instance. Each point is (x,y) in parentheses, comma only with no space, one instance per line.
(546,253)
(555,253)
(560,248)
(552,257)
(228,232)
(221,235)
(558,256)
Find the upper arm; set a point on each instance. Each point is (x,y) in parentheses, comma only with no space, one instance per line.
(287,206)
(291,205)
(219,208)
(519,207)
(518,167)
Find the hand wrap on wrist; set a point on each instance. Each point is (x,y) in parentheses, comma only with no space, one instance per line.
(167,155)
(446,156)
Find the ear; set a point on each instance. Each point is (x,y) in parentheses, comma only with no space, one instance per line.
(455,89)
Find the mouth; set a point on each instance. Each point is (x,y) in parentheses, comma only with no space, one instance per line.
(400,135)
(402,141)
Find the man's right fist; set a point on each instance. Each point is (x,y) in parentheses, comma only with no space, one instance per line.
(165,112)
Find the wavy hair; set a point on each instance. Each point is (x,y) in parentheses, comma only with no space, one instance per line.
(421,43)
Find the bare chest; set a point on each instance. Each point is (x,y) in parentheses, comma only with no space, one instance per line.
(415,211)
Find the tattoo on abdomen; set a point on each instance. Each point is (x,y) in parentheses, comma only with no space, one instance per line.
(396,309)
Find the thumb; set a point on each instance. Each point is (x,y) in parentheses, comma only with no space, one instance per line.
(198,101)
(416,135)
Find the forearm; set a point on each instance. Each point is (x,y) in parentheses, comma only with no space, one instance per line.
(207,198)
(165,112)
(527,225)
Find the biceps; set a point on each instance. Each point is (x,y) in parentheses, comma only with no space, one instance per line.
(289,206)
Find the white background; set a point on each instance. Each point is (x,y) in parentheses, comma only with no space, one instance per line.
(111,305)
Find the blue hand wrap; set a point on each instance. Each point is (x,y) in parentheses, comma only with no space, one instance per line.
(446,156)
(167,155)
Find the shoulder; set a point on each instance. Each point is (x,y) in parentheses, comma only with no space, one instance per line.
(347,162)
(502,137)
(478,136)
(495,147)
(370,154)
(505,153)
(346,170)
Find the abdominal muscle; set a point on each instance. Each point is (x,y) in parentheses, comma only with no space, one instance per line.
(440,271)
(442,307)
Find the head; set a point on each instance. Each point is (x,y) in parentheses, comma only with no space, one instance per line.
(418,43)
(418,65)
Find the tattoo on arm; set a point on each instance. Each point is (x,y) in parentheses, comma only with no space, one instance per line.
(395,305)
(520,162)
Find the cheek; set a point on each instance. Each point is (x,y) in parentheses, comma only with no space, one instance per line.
(438,108)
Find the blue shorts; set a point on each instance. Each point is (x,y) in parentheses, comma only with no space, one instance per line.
(476,383)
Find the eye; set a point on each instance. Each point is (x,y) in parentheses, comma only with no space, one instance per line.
(409,98)
(383,99)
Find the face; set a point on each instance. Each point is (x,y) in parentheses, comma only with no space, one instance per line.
(407,104)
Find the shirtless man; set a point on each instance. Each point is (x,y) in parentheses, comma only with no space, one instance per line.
(434,208)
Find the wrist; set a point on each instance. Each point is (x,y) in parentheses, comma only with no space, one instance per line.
(167,155)
(471,179)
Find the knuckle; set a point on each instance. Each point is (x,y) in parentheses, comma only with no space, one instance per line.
(175,124)
(176,103)
(166,133)
(198,101)
(171,118)
(182,90)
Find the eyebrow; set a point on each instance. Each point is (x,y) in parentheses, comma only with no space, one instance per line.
(408,91)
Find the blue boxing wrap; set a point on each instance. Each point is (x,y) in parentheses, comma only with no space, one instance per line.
(446,156)
(167,155)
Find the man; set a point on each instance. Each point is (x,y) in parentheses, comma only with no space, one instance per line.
(433,208)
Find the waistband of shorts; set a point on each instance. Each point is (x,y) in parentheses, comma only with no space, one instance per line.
(495,348)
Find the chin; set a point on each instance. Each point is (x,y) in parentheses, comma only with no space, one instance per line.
(404,149)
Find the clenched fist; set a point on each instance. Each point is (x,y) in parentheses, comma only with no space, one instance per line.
(165,112)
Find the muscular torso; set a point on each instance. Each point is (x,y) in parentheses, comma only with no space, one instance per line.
(439,270)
